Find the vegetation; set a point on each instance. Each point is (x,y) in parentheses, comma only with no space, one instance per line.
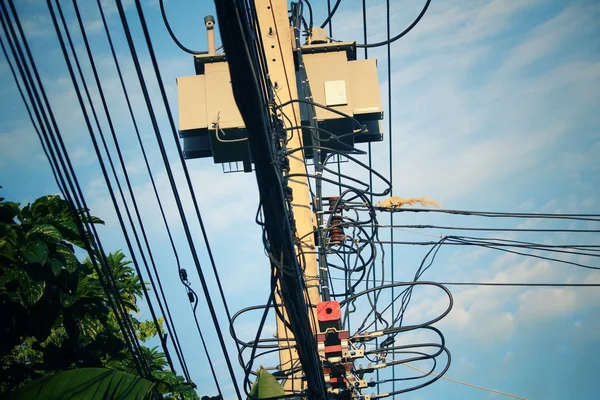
(86,383)
(265,386)
(55,312)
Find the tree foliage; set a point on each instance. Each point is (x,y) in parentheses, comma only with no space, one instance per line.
(55,311)
(86,383)
(265,386)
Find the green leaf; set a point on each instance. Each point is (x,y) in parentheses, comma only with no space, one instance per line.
(147,329)
(266,386)
(68,257)
(55,265)
(46,231)
(36,252)
(8,211)
(70,233)
(7,250)
(46,206)
(31,290)
(70,226)
(86,383)
(22,287)
(93,220)
(8,232)
(66,300)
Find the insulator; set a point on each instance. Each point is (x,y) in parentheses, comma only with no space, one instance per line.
(332,202)
(191,297)
(183,274)
(285,164)
(336,232)
(289,193)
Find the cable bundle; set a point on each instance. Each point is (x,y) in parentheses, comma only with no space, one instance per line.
(123,198)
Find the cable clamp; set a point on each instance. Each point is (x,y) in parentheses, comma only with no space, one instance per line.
(365,337)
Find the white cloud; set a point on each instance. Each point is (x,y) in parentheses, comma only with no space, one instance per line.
(19,145)
(551,36)
(540,305)
(508,357)
(491,315)
(466,115)
(220,210)
(36,26)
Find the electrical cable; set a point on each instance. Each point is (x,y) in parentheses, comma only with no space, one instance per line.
(435,378)
(505,284)
(330,109)
(194,303)
(331,13)
(390,155)
(526,245)
(173,37)
(119,215)
(482,229)
(155,190)
(530,255)
(235,26)
(31,118)
(181,158)
(74,194)
(370,164)
(169,171)
(310,14)
(496,214)
(469,384)
(401,34)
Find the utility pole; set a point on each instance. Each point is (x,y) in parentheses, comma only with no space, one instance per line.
(254,104)
(278,39)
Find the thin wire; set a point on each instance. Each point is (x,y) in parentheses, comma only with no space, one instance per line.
(496,214)
(130,219)
(181,159)
(401,34)
(331,13)
(370,166)
(74,197)
(456,228)
(520,284)
(160,205)
(173,37)
(170,172)
(35,127)
(499,284)
(390,157)
(454,380)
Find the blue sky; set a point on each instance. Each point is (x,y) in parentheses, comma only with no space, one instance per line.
(494,107)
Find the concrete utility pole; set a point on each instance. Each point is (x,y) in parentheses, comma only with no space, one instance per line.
(278,39)
(222,115)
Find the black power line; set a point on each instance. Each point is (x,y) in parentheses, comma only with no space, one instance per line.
(401,34)
(169,170)
(331,13)
(521,284)
(173,36)
(69,184)
(496,214)
(159,202)
(503,284)
(112,166)
(238,24)
(483,229)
